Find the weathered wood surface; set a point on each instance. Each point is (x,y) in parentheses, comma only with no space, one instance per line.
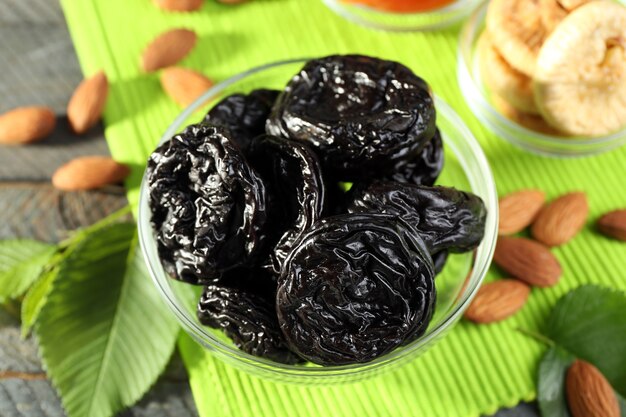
(38,66)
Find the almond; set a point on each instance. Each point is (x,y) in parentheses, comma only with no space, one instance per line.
(184,86)
(88,173)
(87,103)
(26,124)
(589,394)
(613,224)
(167,49)
(518,210)
(561,220)
(178,5)
(497,300)
(528,261)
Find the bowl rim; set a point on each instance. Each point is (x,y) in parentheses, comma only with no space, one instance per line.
(475,94)
(450,13)
(483,254)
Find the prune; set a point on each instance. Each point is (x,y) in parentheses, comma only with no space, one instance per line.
(354,287)
(439,259)
(295,190)
(208,205)
(361,114)
(248,318)
(244,115)
(445,217)
(424,168)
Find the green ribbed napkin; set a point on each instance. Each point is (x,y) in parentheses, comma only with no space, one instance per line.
(475,369)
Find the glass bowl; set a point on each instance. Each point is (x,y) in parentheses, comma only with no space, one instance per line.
(476,95)
(434,19)
(466,168)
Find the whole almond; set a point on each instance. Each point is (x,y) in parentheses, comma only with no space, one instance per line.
(589,394)
(26,125)
(497,300)
(168,49)
(87,103)
(613,224)
(559,221)
(183,85)
(88,173)
(528,261)
(178,5)
(518,210)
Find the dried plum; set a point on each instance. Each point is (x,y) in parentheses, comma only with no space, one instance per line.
(248,318)
(445,217)
(244,115)
(355,287)
(208,205)
(424,168)
(295,190)
(361,114)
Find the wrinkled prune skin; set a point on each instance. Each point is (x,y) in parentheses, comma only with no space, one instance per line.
(354,287)
(362,115)
(424,168)
(244,115)
(295,190)
(208,205)
(446,218)
(439,259)
(248,318)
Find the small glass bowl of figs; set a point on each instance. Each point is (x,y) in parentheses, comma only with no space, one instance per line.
(318,221)
(546,78)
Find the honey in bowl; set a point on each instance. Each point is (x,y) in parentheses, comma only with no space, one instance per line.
(402,6)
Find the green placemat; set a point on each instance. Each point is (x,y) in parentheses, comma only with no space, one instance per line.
(476,369)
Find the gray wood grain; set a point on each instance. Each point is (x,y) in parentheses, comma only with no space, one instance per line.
(38,66)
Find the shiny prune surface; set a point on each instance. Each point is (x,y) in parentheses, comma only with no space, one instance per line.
(354,287)
(247,316)
(446,218)
(208,205)
(424,168)
(361,114)
(244,115)
(295,190)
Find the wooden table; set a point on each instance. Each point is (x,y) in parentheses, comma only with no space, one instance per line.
(38,66)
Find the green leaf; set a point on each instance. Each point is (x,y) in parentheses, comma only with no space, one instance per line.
(587,323)
(551,386)
(104,333)
(590,323)
(35,299)
(21,262)
(37,295)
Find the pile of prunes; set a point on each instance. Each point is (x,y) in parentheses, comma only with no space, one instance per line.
(251,204)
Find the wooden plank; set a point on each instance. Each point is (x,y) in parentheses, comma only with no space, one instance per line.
(38,66)
(43,213)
